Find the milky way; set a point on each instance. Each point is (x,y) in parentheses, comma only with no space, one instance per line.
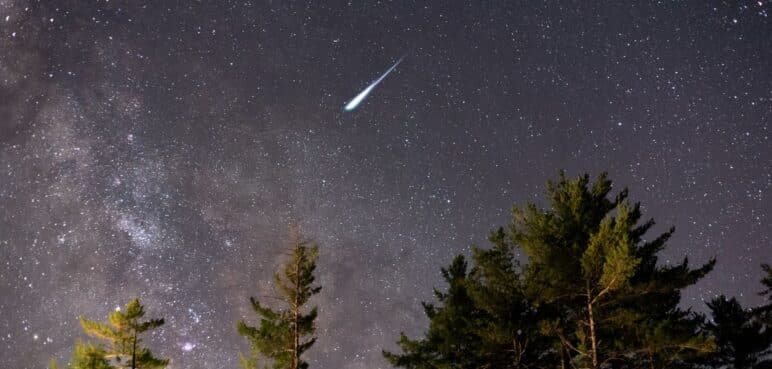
(163,150)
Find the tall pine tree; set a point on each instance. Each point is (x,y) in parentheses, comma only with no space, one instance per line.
(284,335)
(610,303)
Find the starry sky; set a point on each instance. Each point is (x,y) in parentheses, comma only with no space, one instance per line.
(162,149)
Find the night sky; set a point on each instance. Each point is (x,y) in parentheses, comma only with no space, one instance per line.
(163,151)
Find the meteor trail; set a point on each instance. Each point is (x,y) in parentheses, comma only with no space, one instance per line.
(351,105)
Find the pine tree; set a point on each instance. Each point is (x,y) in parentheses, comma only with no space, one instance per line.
(767,281)
(483,320)
(448,343)
(743,341)
(510,332)
(610,303)
(123,347)
(284,335)
(765,311)
(592,285)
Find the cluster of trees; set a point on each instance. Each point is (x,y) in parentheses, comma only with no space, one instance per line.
(279,341)
(591,294)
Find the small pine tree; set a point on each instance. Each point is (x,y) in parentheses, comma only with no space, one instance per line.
(284,335)
(449,341)
(123,347)
(742,340)
(483,320)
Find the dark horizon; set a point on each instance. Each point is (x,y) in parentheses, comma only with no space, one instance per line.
(163,150)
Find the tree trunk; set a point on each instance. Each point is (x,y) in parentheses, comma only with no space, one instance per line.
(295,312)
(651,360)
(562,357)
(593,342)
(134,351)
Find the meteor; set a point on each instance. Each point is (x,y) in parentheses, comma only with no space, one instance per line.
(354,103)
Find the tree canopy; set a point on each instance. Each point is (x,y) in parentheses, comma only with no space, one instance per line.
(592,293)
(121,346)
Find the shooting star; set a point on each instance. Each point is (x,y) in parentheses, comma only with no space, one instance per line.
(354,103)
